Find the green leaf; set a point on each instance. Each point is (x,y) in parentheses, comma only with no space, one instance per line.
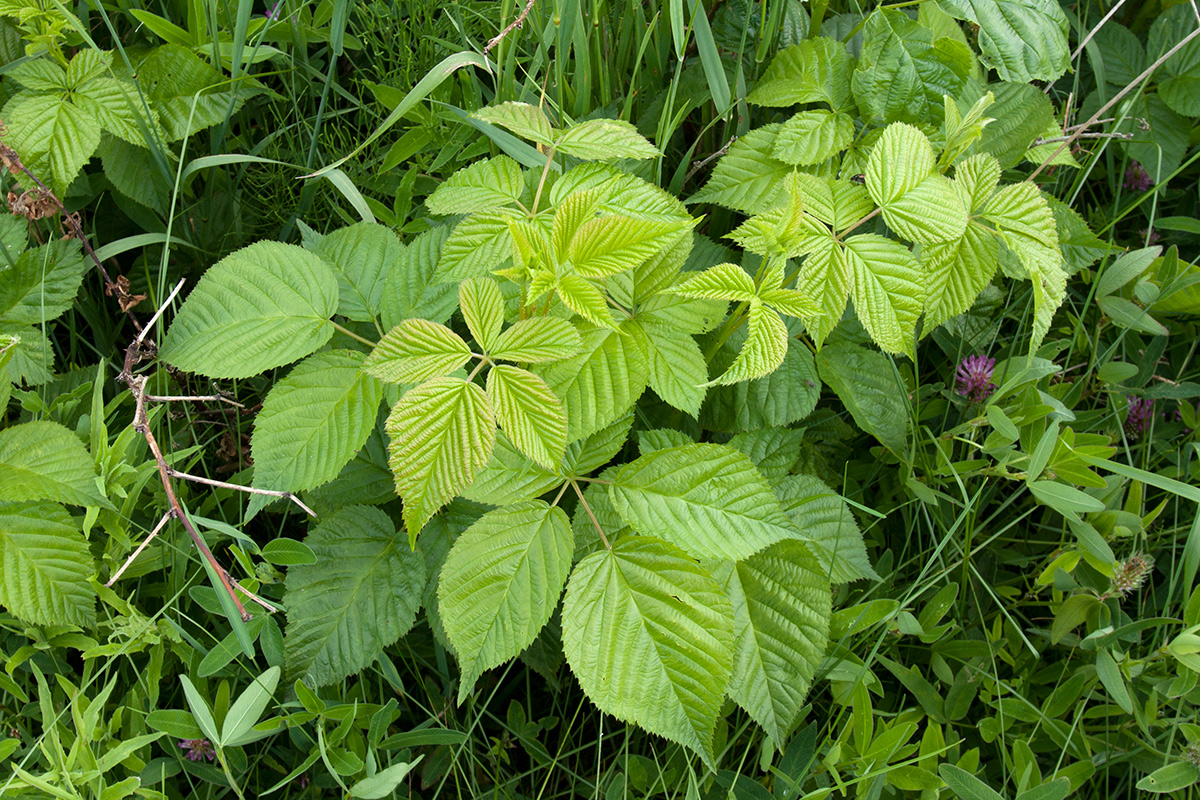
(55,138)
(41,285)
(601,382)
(1021,113)
(1023,40)
(888,290)
(479,244)
(483,309)
(810,137)
(1064,499)
(538,340)
(384,782)
(200,710)
(956,272)
(410,289)
(130,170)
(678,371)
(786,395)
(529,413)
(901,160)
(722,282)
(585,298)
(188,94)
(706,498)
(966,785)
(45,461)
(649,635)
(765,348)
(363,255)
(597,449)
(607,245)
(932,212)
(605,140)
(415,351)
(510,477)
(524,120)
(45,566)
(1170,778)
(245,711)
(442,433)
(781,608)
(313,422)
(904,72)
(812,71)
(360,596)
(1181,72)
(866,383)
(773,450)
(501,583)
(827,526)
(484,185)
(260,307)
(825,276)
(747,178)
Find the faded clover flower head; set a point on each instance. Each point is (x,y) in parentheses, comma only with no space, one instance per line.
(1139,416)
(974,378)
(1136,178)
(1131,573)
(1192,754)
(198,749)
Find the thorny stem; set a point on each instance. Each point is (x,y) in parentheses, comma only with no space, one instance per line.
(591,516)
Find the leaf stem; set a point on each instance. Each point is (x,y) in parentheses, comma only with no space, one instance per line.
(352,334)
(591,516)
(537,197)
(731,324)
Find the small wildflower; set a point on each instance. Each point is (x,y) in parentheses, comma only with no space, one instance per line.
(1131,573)
(974,377)
(198,749)
(1192,754)
(1138,417)
(1149,236)
(270,14)
(1136,178)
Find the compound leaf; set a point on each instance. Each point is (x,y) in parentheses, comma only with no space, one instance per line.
(415,351)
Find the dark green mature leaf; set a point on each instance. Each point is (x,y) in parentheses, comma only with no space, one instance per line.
(42,284)
(811,71)
(706,498)
(364,255)
(1023,40)
(260,307)
(410,289)
(866,382)
(649,635)
(781,607)
(45,461)
(442,433)
(54,137)
(1021,114)
(314,421)
(361,595)
(501,583)
(904,72)
(1179,87)
(45,566)
(827,525)
(188,94)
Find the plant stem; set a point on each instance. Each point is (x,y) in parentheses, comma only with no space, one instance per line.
(537,197)
(591,516)
(352,334)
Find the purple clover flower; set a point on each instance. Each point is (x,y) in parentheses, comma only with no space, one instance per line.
(273,11)
(974,376)
(198,749)
(1139,416)
(1136,178)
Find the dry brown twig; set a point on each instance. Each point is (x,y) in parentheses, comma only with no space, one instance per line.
(41,203)
(516,23)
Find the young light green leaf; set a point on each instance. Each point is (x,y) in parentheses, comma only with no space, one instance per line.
(538,340)
(501,583)
(510,477)
(826,277)
(45,566)
(42,282)
(1023,40)
(584,298)
(888,290)
(442,433)
(360,596)
(957,272)
(977,177)
(45,461)
(479,244)
(483,308)
(706,498)
(363,254)
(260,307)
(529,413)
(814,70)
(781,608)
(484,185)
(383,783)
(607,245)
(415,351)
(810,137)
(764,350)
(747,178)
(790,302)
(526,121)
(932,212)
(600,383)
(866,382)
(722,282)
(900,161)
(678,371)
(649,635)
(604,140)
(54,136)
(596,450)
(314,421)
